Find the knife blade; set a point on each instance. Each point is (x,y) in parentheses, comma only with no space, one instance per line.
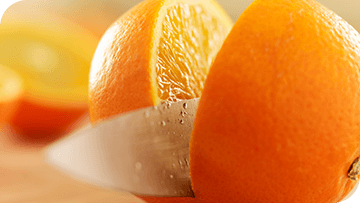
(145,152)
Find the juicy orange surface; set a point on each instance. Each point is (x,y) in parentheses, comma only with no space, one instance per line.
(188,44)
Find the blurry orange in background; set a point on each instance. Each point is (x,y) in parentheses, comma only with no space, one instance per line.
(93,15)
(53,57)
(11,89)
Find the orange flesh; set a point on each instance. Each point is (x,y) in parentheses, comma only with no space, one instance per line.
(191,37)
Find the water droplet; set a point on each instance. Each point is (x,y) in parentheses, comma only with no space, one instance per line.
(138,165)
(168,105)
(173,153)
(163,123)
(174,133)
(171,176)
(182,121)
(185,105)
(181,135)
(187,162)
(155,107)
(147,114)
(183,113)
(174,165)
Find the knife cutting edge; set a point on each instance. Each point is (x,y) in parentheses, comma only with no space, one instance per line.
(145,152)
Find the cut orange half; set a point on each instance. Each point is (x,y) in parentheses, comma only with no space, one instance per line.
(160,50)
(11,89)
(278,120)
(53,57)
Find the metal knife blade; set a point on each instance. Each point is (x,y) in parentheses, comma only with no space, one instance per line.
(145,152)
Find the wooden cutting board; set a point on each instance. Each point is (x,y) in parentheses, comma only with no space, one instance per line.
(25,177)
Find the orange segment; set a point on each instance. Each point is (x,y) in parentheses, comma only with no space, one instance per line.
(278,120)
(53,57)
(157,51)
(11,89)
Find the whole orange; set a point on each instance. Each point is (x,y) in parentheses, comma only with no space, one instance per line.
(279,116)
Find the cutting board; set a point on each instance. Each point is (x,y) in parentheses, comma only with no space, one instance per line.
(25,177)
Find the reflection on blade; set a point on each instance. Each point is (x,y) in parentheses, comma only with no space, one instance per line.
(145,152)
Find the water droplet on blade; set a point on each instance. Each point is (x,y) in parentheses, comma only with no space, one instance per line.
(138,165)
(183,113)
(147,114)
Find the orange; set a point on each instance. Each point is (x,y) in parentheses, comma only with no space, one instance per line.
(53,57)
(160,50)
(11,89)
(279,116)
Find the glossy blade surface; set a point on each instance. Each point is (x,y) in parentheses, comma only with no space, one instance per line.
(145,152)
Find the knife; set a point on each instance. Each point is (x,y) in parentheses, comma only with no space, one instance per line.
(145,152)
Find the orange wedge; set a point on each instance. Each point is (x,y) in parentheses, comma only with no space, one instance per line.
(53,57)
(11,89)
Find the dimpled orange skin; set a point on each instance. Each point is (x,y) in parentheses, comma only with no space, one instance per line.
(279,117)
(104,89)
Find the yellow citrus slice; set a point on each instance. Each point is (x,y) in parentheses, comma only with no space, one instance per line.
(53,57)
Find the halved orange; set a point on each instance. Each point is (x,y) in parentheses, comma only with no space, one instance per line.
(53,57)
(11,90)
(160,50)
(279,117)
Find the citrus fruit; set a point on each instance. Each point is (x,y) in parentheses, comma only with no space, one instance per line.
(53,57)
(160,50)
(11,90)
(279,117)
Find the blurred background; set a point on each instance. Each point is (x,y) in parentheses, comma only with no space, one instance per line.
(49,44)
